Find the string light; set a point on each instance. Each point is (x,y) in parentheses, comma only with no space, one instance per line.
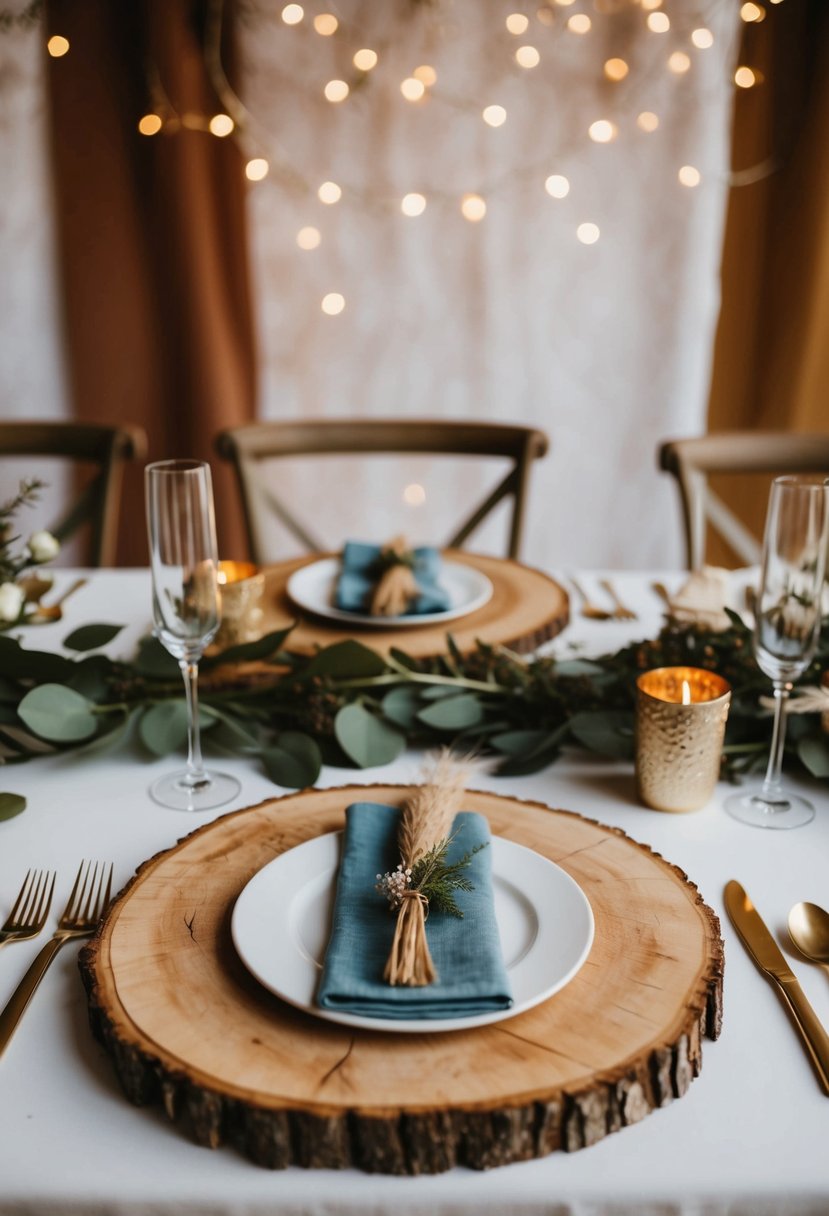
(557,186)
(517,23)
(57,46)
(221,125)
(329,193)
(648,5)
(336,91)
(527,57)
(414,495)
(309,238)
(588,234)
(292,14)
(365,60)
(579,23)
(647,121)
(412,88)
(702,38)
(679,62)
(565,3)
(257,169)
(426,75)
(494,116)
(616,69)
(150,124)
(752,12)
(473,208)
(689,176)
(413,204)
(326,24)
(602,131)
(745,78)
(659,23)
(333,304)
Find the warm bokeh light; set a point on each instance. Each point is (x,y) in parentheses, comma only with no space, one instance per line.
(752,12)
(565,3)
(602,131)
(333,304)
(309,238)
(414,495)
(517,23)
(365,59)
(689,176)
(413,204)
(336,91)
(579,23)
(647,121)
(329,192)
(256,169)
(494,116)
(702,38)
(473,207)
(616,69)
(527,57)
(557,186)
(659,23)
(745,78)
(57,46)
(648,5)
(326,24)
(221,125)
(588,234)
(292,14)
(426,74)
(679,62)
(150,124)
(412,88)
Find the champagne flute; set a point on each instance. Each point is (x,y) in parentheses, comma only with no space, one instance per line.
(186,610)
(787,618)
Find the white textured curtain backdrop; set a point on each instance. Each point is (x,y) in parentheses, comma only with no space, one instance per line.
(32,374)
(607,346)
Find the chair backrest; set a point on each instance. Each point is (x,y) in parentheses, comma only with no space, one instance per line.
(106,449)
(692,461)
(248,446)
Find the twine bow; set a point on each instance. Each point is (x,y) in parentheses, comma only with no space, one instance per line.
(396,587)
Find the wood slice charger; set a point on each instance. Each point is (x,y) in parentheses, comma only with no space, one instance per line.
(185,1024)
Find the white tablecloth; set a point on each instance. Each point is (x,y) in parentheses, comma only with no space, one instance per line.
(750,1137)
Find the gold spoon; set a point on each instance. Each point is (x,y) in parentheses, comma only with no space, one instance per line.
(588,609)
(809,930)
(44,614)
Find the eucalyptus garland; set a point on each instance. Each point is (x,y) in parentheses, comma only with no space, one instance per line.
(347,705)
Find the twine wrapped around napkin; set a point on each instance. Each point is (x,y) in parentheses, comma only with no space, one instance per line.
(472,977)
(390,580)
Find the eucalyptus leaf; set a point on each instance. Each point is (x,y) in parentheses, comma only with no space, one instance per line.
(113,730)
(523,743)
(365,739)
(437,692)
(155,662)
(91,677)
(401,705)
(58,713)
(608,732)
(36,666)
(345,660)
(266,647)
(230,733)
(163,727)
(453,713)
(91,637)
(522,766)
(294,761)
(578,667)
(814,752)
(11,805)
(404,660)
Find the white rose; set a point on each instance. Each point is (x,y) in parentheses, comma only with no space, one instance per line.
(11,601)
(43,546)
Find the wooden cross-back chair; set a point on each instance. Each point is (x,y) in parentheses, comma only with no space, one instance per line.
(693,461)
(106,449)
(247,447)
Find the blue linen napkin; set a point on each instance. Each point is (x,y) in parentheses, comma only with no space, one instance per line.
(358,579)
(472,977)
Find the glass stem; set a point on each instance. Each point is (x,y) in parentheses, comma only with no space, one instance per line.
(771,783)
(195,765)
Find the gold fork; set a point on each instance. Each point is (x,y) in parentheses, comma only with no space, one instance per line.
(589,609)
(84,909)
(28,916)
(620,611)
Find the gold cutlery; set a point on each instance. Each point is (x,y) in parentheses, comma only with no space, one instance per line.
(809,930)
(621,612)
(767,955)
(588,609)
(44,614)
(663,593)
(84,909)
(28,916)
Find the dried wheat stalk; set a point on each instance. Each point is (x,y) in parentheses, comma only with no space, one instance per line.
(396,587)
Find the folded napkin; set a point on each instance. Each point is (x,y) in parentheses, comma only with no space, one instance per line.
(467,953)
(358,578)
(702,600)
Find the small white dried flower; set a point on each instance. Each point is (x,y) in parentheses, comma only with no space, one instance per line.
(43,546)
(11,601)
(393,885)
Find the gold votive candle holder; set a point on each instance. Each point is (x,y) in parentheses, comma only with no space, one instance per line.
(242,586)
(680,725)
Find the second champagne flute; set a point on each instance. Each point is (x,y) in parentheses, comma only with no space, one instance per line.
(186,610)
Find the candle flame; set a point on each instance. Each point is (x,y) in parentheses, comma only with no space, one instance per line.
(686,693)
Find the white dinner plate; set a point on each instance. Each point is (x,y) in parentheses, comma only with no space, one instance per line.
(282,921)
(312,588)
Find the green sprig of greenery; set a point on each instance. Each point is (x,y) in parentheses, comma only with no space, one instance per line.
(438,880)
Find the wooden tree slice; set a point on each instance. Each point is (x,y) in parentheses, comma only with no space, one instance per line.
(186,1024)
(527,608)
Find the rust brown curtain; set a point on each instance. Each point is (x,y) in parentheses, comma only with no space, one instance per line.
(771,363)
(152,243)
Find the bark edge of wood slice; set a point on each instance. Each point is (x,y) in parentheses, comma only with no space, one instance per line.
(546,1097)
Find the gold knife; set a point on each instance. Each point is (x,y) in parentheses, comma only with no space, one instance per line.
(769,958)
